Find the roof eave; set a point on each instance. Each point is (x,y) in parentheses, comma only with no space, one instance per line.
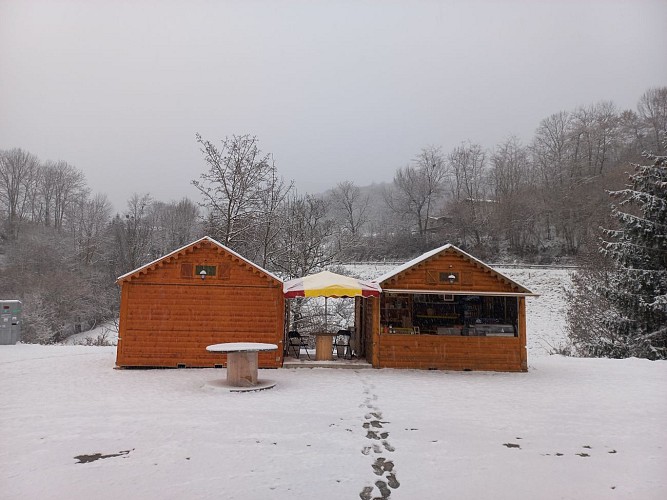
(431,291)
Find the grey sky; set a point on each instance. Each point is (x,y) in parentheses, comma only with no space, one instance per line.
(335,90)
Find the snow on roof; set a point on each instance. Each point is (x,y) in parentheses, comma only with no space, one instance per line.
(205,238)
(436,251)
(409,264)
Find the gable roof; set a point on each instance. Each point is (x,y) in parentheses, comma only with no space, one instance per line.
(522,290)
(189,247)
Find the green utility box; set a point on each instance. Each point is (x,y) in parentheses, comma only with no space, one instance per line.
(10,322)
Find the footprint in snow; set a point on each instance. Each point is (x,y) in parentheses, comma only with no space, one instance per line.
(387,446)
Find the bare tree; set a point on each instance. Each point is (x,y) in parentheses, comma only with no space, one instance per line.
(269,223)
(69,185)
(92,219)
(176,224)
(632,135)
(652,109)
(417,189)
(304,239)
(511,177)
(593,136)
(467,167)
(133,233)
(510,169)
(351,205)
(233,185)
(466,164)
(18,175)
(550,148)
(46,187)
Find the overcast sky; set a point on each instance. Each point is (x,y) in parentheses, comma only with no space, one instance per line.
(335,90)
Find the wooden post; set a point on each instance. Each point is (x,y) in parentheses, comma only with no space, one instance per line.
(122,322)
(522,334)
(375,308)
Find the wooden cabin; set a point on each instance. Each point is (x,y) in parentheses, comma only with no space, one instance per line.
(446,310)
(198,295)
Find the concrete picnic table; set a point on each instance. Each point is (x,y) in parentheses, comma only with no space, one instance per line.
(242,363)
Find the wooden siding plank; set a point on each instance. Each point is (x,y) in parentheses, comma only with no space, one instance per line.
(450,353)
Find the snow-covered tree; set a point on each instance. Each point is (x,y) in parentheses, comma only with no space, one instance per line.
(628,316)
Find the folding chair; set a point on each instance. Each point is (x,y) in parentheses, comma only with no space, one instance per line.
(341,343)
(296,342)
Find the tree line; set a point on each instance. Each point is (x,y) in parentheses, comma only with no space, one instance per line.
(61,247)
(538,201)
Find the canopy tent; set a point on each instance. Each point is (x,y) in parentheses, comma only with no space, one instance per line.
(327,284)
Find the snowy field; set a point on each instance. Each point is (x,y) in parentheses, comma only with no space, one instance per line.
(72,427)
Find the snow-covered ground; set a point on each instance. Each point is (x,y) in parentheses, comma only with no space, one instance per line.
(73,427)
(105,334)
(545,315)
(569,428)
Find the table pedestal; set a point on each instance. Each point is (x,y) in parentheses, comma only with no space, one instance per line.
(242,369)
(324,347)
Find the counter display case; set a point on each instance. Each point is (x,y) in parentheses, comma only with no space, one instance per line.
(442,314)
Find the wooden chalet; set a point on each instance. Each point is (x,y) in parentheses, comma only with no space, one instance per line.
(198,295)
(445,310)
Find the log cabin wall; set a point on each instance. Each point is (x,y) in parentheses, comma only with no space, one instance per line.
(399,350)
(169,314)
(433,352)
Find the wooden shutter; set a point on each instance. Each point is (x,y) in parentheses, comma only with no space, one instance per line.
(186,270)
(224,271)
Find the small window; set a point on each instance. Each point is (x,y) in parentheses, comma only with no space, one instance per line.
(209,270)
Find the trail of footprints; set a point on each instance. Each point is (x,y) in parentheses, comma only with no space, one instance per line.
(559,454)
(379,437)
